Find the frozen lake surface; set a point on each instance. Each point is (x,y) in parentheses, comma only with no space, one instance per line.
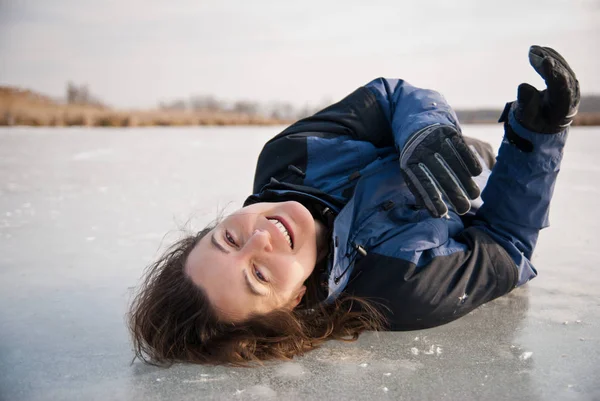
(83,211)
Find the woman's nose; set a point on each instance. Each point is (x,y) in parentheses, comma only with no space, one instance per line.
(261,240)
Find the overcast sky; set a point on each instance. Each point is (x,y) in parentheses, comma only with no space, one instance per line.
(134,53)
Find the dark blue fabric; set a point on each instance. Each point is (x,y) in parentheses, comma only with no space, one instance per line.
(516,200)
(409,109)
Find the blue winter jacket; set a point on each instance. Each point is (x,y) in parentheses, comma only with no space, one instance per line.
(427,271)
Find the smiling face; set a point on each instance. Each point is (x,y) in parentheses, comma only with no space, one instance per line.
(257,259)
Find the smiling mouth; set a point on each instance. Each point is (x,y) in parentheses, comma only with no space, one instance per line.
(283,229)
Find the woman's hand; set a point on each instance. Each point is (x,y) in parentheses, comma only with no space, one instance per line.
(551,110)
(436,164)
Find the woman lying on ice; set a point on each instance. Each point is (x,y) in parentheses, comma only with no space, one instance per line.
(364,216)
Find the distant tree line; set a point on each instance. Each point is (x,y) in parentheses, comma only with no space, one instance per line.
(285,111)
(590,105)
(275,110)
(80,108)
(80,94)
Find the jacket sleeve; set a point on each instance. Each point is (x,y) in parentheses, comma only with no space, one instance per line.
(409,109)
(358,116)
(487,259)
(516,199)
(385,112)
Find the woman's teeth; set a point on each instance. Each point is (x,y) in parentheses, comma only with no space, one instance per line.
(283,230)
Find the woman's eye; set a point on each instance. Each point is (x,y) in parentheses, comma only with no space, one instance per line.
(259,275)
(229,238)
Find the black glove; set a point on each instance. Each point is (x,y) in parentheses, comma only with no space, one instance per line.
(436,162)
(551,110)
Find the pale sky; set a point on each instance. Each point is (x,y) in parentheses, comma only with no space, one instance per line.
(134,53)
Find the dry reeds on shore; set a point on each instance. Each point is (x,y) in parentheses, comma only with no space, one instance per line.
(68,116)
(22,107)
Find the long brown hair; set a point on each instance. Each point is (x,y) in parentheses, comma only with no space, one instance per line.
(171,320)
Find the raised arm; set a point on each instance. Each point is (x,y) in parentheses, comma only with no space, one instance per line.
(517,197)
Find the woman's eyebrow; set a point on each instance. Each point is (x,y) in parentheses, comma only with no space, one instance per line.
(216,244)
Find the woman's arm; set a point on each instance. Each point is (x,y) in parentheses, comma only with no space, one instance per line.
(389,112)
(384,112)
(516,200)
(409,109)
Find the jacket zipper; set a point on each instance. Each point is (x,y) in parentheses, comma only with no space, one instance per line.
(360,250)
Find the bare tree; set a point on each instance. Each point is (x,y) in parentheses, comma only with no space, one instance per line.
(205,102)
(80,94)
(174,105)
(246,107)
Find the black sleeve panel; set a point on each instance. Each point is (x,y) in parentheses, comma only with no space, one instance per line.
(276,158)
(443,290)
(357,116)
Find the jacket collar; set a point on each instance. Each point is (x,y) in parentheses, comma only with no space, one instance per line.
(321,205)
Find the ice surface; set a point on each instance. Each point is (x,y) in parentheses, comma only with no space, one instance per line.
(82,211)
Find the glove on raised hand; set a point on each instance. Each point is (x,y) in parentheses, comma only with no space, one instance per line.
(551,110)
(436,163)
